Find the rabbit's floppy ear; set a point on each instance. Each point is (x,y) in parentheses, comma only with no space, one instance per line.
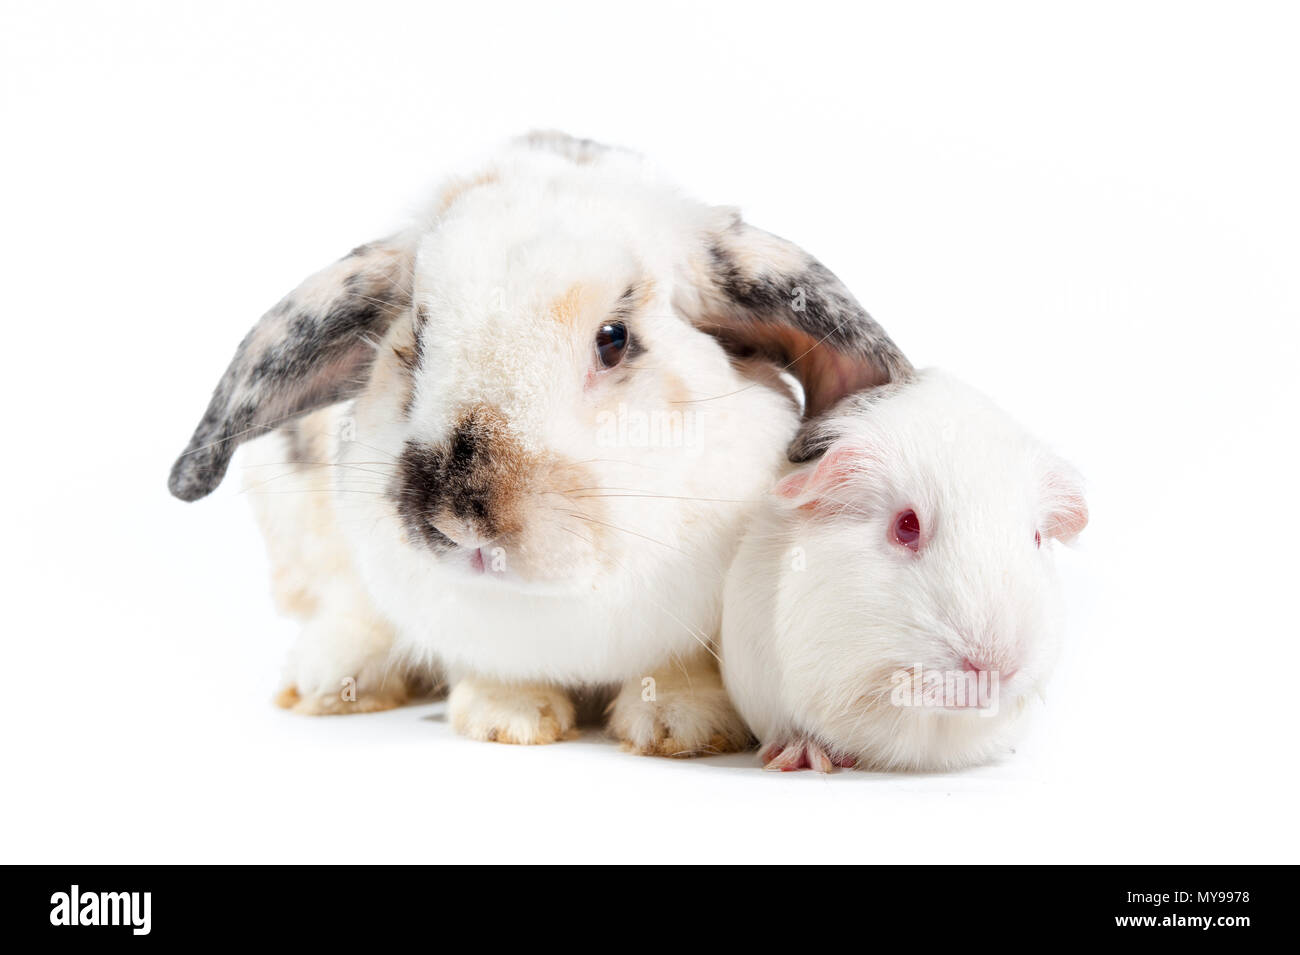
(758,292)
(312,349)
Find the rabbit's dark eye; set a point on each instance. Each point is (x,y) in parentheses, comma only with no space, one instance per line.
(906,529)
(611,343)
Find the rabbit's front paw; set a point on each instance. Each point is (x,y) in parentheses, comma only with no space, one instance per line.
(668,716)
(801,754)
(524,713)
(332,671)
(346,700)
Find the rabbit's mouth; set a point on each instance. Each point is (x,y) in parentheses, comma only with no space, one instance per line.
(487,508)
(538,558)
(487,560)
(463,549)
(491,569)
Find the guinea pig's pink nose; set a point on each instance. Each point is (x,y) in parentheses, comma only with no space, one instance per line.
(1004,671)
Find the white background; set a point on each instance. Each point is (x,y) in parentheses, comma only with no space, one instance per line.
(1092,211)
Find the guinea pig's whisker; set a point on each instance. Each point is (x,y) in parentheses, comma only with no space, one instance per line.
(843,505)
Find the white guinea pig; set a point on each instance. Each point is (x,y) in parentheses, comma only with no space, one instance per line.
(895,605)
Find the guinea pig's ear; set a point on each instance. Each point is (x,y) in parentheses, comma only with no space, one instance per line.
(312,349)
(761,294)
(823,487)
(1065,510)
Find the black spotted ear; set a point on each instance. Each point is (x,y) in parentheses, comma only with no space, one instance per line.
(761,294)
(312,349)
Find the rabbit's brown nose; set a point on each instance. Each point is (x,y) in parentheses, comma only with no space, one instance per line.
(464,490)
(461,532)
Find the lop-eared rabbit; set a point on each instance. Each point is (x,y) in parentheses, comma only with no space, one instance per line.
(520,440)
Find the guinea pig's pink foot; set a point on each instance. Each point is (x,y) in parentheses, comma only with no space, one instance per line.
(801,754)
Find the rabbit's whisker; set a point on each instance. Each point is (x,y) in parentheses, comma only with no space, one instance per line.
(672,497)
(592,520)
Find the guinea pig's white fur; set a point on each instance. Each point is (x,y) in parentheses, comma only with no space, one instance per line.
(514,511)
(832,627)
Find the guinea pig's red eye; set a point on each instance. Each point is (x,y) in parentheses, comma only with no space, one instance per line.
(611,343)
(907,529)
(1038,539)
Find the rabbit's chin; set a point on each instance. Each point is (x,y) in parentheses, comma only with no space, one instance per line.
(599,625)
(487,570)
(536,632)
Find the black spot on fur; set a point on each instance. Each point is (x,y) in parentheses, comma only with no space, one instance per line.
(415,491)
(626,303)
(298,447)
(457,477)
(202,465)
(810,299)
(803,318)
(405,357)
(419,324)
(809,443)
